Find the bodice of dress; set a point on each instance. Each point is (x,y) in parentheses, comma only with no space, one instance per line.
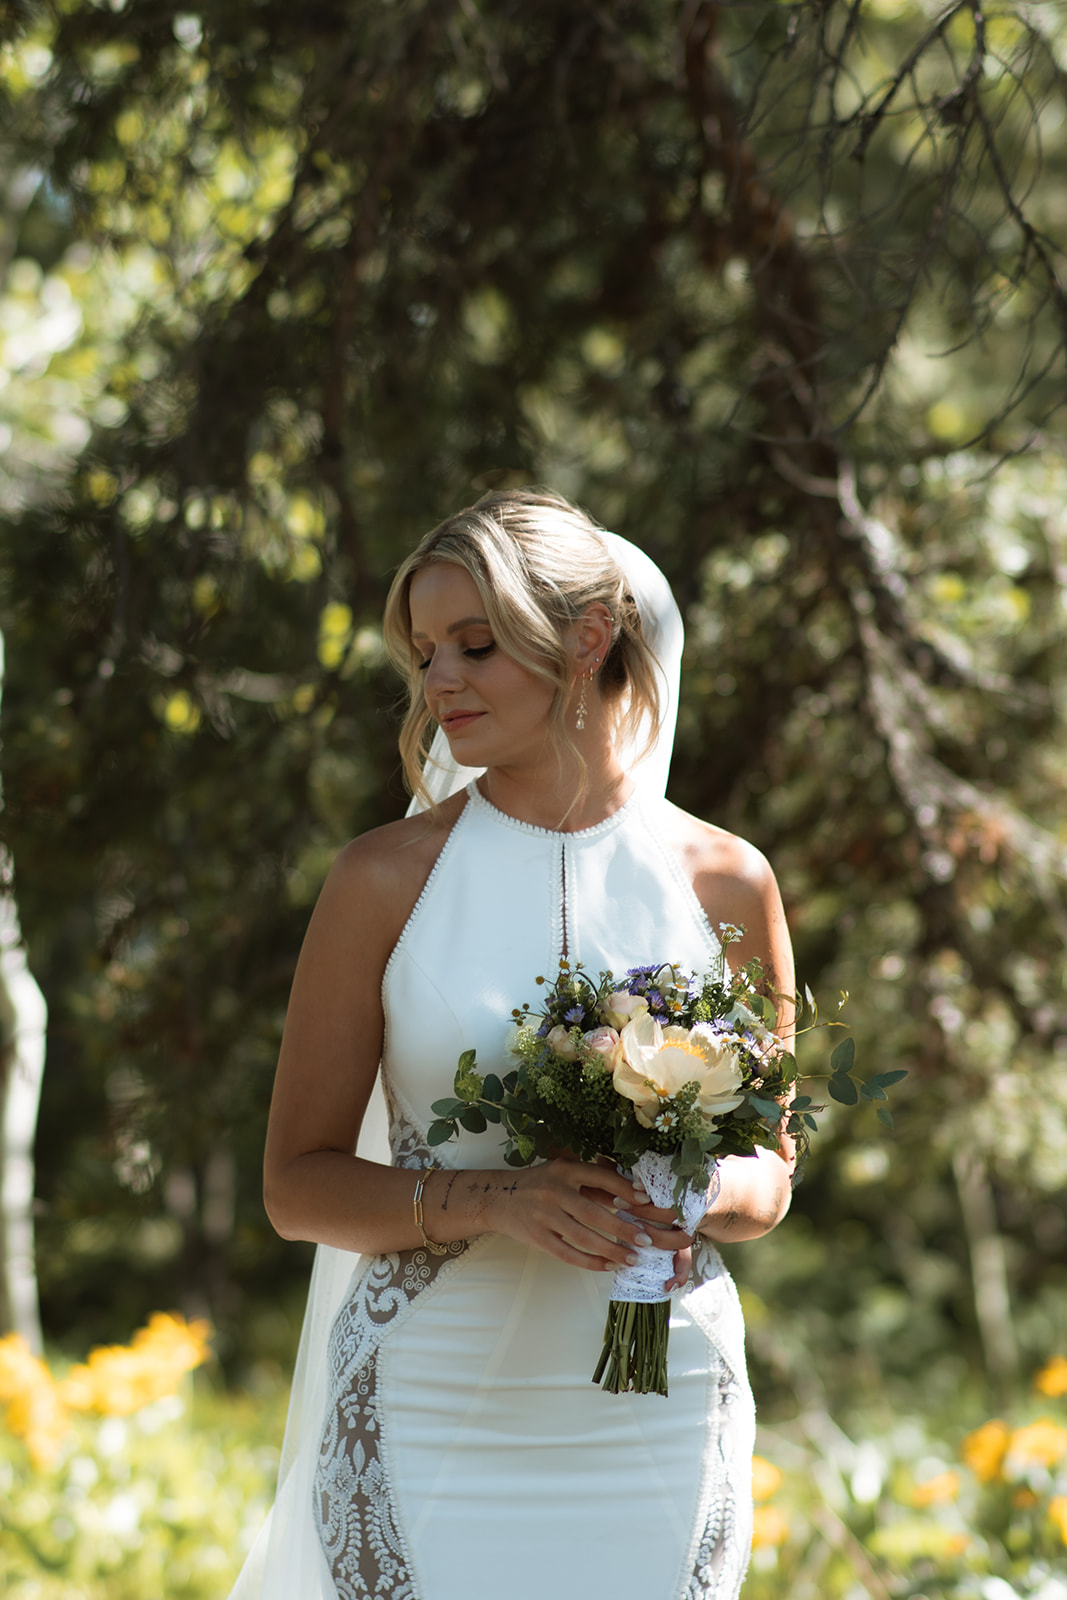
(504,902)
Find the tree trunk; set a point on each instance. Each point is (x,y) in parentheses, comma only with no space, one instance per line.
(989,1269)
(21,1070)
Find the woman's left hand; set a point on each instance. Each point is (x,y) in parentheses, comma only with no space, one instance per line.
(664,1217)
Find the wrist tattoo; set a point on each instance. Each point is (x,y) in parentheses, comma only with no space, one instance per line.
(448,1191)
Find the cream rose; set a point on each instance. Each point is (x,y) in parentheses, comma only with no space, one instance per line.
(604,1042)
(559,1040)
(619,1008)
(658,1061)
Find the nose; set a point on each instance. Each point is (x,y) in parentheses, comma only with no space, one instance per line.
(442,675)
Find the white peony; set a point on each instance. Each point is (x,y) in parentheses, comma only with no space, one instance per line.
(658,1061)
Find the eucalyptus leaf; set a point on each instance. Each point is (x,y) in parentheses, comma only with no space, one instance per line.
(448,1108)
(473,1120)
(691,1155)
(492,1088)
(440,1132)
(885,1116)
(843,1090)
(843,1057)
(885,1080)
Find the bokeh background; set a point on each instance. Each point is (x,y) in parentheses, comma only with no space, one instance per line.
(779,292)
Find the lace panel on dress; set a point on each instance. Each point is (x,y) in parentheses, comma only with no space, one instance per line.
(355,1507)
(721,1555)
(723,1521)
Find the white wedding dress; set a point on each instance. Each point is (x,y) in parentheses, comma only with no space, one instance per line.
(451,1445)
(466,1455)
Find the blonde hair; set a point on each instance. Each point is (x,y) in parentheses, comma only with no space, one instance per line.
(538,565)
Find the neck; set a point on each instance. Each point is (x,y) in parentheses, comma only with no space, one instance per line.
(551,795)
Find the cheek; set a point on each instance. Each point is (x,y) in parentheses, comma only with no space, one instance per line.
(526,694)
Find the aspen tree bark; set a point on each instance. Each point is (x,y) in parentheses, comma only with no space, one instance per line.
(24,1017)
(989,1270)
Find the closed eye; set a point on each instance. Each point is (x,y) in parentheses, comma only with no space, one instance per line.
(476,652)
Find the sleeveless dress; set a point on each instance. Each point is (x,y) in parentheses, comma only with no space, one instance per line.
(466,1454)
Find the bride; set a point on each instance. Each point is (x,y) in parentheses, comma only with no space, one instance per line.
(445,1441)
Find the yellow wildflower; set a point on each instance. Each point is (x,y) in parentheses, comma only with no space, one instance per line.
(1057,1510)
(19,1368)
(939,1491)
(117,1379)
(35,1411)
(766,1479)
(1024,1499)
(770,1526)
(1052,1379)
(39,1417)
(1040,1444)
(984,1449)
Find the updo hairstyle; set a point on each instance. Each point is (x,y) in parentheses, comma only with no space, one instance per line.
(538,564)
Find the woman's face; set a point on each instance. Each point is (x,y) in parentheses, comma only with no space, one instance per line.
(493,712)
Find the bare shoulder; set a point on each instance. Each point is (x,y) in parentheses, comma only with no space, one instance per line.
(734,883)
(387,869)
(719,864)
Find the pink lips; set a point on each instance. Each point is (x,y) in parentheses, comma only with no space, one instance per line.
(453,721)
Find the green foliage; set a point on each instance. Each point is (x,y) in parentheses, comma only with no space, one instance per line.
(777,291)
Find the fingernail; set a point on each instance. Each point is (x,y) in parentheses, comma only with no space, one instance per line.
(640,1196)
(642,1238)
(631,1261)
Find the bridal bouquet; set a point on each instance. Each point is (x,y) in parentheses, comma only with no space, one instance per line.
(663,1074)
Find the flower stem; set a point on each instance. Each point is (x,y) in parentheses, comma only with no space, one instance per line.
(634,1357)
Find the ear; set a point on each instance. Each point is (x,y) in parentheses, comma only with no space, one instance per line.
(591,639)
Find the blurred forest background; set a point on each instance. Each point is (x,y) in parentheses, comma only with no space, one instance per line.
(776,290)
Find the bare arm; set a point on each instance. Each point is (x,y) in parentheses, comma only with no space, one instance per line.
(755,1190)
(314,1186)
(735,885)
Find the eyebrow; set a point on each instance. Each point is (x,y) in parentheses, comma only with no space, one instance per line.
(454,627)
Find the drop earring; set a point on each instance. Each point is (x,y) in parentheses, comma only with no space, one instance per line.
(581,708)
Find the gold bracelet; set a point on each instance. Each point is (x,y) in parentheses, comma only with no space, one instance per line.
(435,1249)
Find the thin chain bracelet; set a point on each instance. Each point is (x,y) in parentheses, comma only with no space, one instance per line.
(435,1249)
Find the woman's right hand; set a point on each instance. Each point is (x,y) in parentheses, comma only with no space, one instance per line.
(568,1209)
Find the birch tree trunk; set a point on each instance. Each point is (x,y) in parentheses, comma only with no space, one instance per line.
(23,1016)
(989,1268)
(20,1091)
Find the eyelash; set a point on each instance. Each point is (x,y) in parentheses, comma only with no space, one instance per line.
(477,652)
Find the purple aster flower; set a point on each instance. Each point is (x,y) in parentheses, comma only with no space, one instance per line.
(574,1016)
